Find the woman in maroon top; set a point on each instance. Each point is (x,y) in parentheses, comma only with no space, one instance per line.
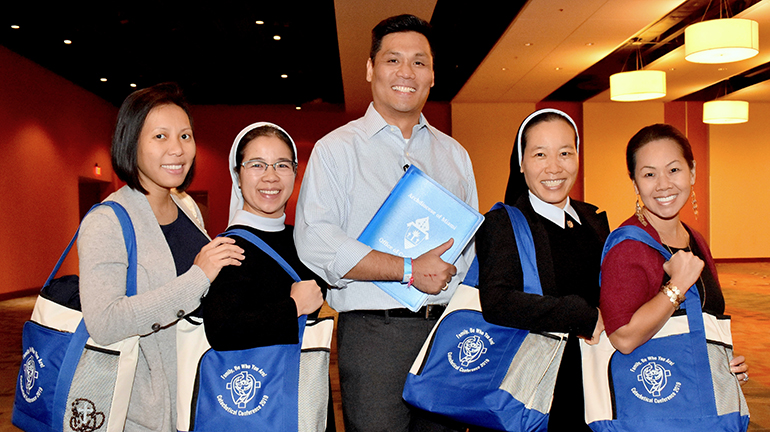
(640,290)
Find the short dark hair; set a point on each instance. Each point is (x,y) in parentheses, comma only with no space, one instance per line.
(398,24)
(257,132)
(131,117)
(656,132)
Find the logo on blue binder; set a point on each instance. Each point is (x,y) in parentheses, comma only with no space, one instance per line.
(416,232)
(471,350)
(243,386)
(652,373)
(28,384)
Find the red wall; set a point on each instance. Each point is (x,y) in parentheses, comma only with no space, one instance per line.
(52,132)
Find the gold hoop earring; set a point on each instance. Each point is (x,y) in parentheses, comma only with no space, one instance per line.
(694,204)
(639,214)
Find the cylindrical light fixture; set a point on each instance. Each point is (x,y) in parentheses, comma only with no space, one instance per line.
(637,85)
(725,112)
(723,40)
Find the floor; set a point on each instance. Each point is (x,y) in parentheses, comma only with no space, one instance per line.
(746,288)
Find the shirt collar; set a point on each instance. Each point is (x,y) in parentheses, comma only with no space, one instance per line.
(551,212)
(374,122)
(242,217)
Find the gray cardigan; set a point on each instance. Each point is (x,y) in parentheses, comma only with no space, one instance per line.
(162,298)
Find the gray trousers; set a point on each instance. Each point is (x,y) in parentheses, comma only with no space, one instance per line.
(375,355)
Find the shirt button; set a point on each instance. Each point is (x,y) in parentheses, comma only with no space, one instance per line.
(180,314)
(155,327)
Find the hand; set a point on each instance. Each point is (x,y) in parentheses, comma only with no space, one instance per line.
(431,274)
(740,369)
(220,252)
(597,331)
(684,268)
(307,296)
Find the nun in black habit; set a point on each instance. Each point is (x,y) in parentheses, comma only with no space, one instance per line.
(568,235)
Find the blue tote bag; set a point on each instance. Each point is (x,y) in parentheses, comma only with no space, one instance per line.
(66,380)
(271,388)
(679,380)
(484,374)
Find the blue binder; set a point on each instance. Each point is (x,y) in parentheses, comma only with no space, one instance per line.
(418,215)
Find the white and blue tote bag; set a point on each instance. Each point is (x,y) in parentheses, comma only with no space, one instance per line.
(484,374)
(679,380)
(271,388)
(68,382)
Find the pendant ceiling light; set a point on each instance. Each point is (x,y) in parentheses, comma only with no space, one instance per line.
(725,112)
(637,85)
(723,40)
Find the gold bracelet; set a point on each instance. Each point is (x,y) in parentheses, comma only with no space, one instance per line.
(673,294)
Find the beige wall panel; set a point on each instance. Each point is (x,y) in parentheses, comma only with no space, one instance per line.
(607,127)
(488,131)
(740,197)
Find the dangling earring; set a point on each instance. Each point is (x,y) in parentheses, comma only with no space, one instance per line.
(694,204)
(639,213)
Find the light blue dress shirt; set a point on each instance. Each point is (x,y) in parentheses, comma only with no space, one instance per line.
(350,173)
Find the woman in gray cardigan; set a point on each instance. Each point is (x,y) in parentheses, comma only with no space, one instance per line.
(153,151)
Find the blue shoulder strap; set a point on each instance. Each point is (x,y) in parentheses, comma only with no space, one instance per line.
(80,336)
(258,242)
(526,246)
(129,238)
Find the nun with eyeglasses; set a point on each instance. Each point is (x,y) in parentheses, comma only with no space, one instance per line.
(568,236)
(258,303)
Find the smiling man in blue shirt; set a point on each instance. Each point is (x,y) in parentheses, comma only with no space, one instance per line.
(350,173)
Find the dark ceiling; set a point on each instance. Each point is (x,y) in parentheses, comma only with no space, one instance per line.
(213,49)
(219,54)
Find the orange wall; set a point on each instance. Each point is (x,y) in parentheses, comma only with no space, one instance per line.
(607,128)
(51,133)
(488,132)
(740,196)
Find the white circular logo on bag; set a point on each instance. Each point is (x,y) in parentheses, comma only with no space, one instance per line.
(28,378)
(471,350)
(242,382)
(654,374)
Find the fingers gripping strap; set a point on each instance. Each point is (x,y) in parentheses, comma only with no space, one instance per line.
(258,242)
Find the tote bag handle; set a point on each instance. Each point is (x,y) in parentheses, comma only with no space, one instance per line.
(80,336)
(694,316)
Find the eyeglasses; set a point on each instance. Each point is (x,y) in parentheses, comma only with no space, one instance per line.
(259,167)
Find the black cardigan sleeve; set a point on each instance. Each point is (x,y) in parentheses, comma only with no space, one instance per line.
(503,300)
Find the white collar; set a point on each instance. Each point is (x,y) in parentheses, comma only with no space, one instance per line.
(551,212)
(242,217)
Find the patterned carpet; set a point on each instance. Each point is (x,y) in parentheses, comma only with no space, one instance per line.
(746,288)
